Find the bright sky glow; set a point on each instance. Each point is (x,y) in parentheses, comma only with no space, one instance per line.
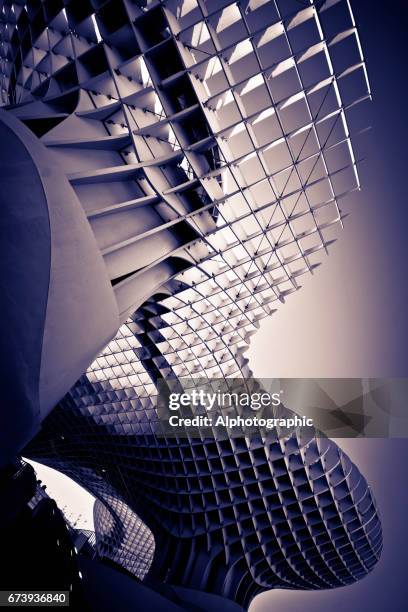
(71,498)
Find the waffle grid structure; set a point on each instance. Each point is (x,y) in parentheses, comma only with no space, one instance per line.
(233,517)
(115,522)
(248,125)
(209,144)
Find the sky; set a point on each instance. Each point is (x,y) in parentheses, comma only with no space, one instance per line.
(71,498)
(348,320)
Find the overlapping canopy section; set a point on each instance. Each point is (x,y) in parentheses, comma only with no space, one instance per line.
(210,146)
